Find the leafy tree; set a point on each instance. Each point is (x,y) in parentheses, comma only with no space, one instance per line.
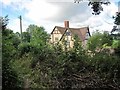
(4,21)
(116,46)
(34,40)
(99,40)
(117,22)
(26,37)
(96,5)
(116,36)
(39,42)
(9,46)
(31,28)
(117,18)
(77,43)
(38,35)
(32,51)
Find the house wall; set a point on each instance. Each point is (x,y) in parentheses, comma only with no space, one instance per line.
(87,36)
(71,44)
(55,37)
(57,34)
(71,40)
(68,39)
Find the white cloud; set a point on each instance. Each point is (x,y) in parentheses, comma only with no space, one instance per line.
(49,14)
(15,25)
(104,21)
(40,10)
(6,2)
(15,4)
(110,9)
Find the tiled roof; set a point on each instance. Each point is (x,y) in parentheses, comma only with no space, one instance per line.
(80,32)
(61,29)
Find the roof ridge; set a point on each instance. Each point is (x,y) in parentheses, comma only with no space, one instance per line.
(71,27)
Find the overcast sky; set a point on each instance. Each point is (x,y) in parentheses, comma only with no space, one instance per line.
(51,13)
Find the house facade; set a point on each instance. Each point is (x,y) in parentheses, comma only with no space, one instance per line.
(60,34)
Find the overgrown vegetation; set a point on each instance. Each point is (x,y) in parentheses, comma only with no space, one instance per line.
(34,63)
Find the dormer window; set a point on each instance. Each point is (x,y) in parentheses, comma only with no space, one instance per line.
(68,33)
(87,36)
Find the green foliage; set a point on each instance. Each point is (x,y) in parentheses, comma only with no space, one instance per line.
(99,40)
(34,63)
(22,68)
(38,36)
(106,68)
(24,48)
(26,37)
(96,6)
(4,21)
(10,78)
(77,43)
(9,44)
(117,18)
(116,46)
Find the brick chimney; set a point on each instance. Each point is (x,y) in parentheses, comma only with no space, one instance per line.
(66,23)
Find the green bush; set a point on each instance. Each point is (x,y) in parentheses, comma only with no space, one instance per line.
(24,48)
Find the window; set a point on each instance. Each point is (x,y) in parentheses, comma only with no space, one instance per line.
(68,33)
(56,38)
(67,43)
(87,36)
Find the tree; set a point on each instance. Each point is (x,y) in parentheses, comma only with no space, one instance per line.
(96,5)
(26,37)
(117,18)
(38,35)
(99,40)
(34,40)
(4,21)
(9,45)
(115,32)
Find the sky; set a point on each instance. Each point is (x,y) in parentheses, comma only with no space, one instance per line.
(51,13)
